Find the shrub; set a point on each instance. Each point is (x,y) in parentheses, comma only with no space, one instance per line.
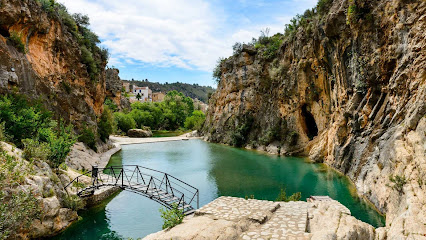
(282,196)
(217,71)
(16,40)
(171,217)
(2,134)
(273,47)
(124,121)
(60,143)
(398,182)
(106,124)
(35,150)
(196,121)
(88,137)
(17,210)
(237,48)
(323,6)
(110,104)
(73,202)
(352,13)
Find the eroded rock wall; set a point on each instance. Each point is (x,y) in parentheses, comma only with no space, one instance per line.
(51,68)
(347,93)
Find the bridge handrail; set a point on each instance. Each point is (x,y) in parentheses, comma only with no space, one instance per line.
(120,167)
(76,179)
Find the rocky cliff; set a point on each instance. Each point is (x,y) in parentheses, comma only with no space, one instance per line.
(345,86)
(114,87)
(42,56)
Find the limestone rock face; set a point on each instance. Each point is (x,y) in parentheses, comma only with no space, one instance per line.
(51,69)
(349,94)
(139,133)
(114,86)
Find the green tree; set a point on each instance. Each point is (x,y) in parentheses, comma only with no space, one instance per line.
(106,124)
(125,122)
(138,96)
(196,121)
(171,217)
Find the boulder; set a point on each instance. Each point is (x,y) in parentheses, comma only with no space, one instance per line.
(139,133)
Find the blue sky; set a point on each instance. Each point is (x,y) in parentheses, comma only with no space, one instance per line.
(180,40)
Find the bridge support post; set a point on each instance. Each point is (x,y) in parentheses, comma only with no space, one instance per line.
(95,176)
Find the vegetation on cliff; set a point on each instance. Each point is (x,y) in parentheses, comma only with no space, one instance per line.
(31,127)
(93,56)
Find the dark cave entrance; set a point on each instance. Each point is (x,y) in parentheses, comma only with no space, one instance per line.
(310,127)
(4,32)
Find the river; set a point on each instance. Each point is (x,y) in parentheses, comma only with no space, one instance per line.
(216,170)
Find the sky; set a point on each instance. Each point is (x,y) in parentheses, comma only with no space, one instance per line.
(180,40)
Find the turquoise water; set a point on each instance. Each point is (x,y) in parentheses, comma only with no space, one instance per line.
(216,170)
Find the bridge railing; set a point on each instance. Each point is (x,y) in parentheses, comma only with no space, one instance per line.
(159,186)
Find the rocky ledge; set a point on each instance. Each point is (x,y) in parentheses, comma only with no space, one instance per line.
(237,218)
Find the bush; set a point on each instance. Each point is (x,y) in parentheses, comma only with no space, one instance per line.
(171,217)
(217,71)
(60,143)
(106,124)
(196,121)
(125,122)
(73,202)
(110,104)
(398,182)
(323,6)
(2,134)
(282,197)
(88,137)
(35,150)
(18,210)
(16,40)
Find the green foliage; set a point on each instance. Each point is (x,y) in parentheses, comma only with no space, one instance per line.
(193,91)
(106,124)
(176,108)
(2,134)
(171,217)
(352,13)
(125,122)
(273,46)
(73,202)
(60,141)
(63,166)
(35,150)
(92,55)
(138,96)
(88,137)
(239,136)
(217,71)
(323,6)
(196,121)
(22,120)
(18,208)
(111,104)
(282,196)
(16,40)
(398,182)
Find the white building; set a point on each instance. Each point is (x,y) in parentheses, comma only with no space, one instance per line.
(144,92)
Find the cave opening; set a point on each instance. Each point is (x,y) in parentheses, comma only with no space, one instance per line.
(311,128)
(4,32)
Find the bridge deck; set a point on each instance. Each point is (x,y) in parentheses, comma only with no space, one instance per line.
(169,191)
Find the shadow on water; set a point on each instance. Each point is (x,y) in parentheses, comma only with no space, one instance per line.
(216,170)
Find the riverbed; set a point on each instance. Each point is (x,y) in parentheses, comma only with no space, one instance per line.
(216,170)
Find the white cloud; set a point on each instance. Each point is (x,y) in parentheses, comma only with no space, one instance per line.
(189,34)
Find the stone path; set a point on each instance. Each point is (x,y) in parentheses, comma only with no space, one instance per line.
(276,220)
(288,222)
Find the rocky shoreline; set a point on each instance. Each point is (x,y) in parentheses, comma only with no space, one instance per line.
(237,218)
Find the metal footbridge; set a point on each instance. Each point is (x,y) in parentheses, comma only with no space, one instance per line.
(156,185)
